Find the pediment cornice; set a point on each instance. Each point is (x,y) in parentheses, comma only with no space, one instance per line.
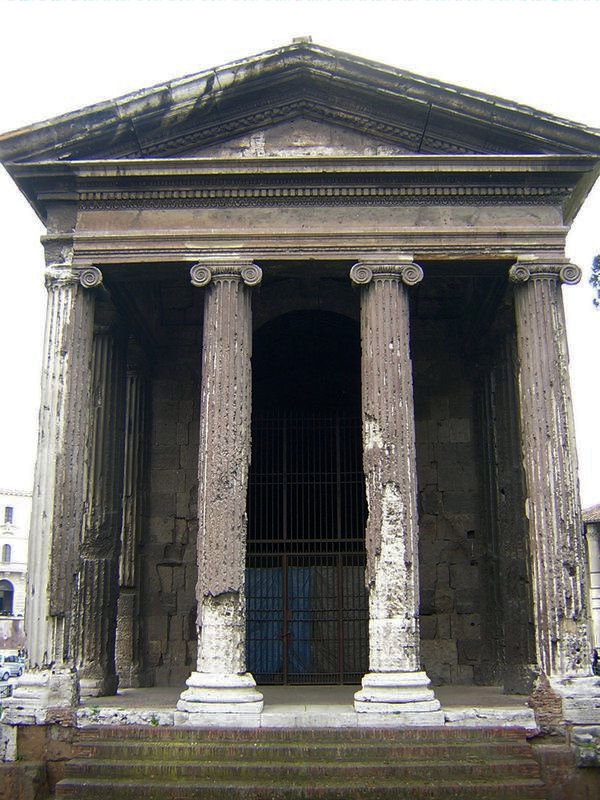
(301,80)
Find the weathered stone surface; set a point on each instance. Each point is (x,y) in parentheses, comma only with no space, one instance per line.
(42,696)
(555,529)
(471,213)
(389,463)
(221,682)
(397,693)
(98,577)
(58,483)
(392,572)
(128,633)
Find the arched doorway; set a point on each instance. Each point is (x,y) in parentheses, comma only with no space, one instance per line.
(7,593)
(306,599)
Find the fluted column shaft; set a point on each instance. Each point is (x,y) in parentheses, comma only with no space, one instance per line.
(223,462)
(550,462)
(127,637)
(389,458)
(58,482)
(98,579)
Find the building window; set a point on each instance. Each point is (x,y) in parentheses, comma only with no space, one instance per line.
(6,597)
(6,553)
(8,514)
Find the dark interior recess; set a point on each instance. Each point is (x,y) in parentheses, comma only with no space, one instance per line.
(307,604)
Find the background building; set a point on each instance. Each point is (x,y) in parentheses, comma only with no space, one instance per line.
(15,513)
(591,522)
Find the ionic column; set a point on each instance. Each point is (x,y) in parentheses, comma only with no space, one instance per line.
(127,650)
(395,683)
(50,680)
(98,578)
(550,462)
(221,683)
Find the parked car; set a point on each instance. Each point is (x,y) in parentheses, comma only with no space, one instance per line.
(11,666)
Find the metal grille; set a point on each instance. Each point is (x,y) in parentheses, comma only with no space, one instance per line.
(307,606)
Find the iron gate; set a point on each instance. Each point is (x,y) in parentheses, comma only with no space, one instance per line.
(307,606)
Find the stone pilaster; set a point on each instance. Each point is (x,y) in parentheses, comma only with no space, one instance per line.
(221,682)
(128,661)
(98,578)
(395,683)
(50,681)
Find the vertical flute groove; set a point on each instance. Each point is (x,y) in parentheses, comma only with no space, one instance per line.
(95,625)
(58,482)
(550,463)
(390,468)
(127,645)
(223,463)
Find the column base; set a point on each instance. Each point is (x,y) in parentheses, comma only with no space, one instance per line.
(580,696)
(42,696)
(580,703)
(98,687)
(399,693)
(220,694)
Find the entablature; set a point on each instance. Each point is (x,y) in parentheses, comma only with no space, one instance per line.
(405,180)
(160,247)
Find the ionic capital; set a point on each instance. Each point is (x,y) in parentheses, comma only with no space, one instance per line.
(57,276)
(202,273)
(401,268)
(90,277)
(544,267)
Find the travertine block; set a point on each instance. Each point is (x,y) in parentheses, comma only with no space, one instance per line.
(166,457)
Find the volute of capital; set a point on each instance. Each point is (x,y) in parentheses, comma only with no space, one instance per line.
(202,273)
(407,271)
(557,268)
(90,277)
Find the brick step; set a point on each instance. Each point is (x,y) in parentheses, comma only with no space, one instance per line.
(408,735)
(141,750)
(81,789)
(300,773)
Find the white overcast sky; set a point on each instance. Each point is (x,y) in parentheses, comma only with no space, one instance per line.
(59,55)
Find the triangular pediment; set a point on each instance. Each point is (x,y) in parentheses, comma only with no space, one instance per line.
(298,138)
(345,106)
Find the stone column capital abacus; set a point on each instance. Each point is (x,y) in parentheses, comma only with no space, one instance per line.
(205,271)
(403,268)
(546,267)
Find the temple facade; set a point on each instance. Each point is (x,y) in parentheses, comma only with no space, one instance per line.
(305,411)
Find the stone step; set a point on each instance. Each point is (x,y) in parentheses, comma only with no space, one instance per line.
(301,773)
(82,789)
(142,750)
(409,735)
(127,763)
